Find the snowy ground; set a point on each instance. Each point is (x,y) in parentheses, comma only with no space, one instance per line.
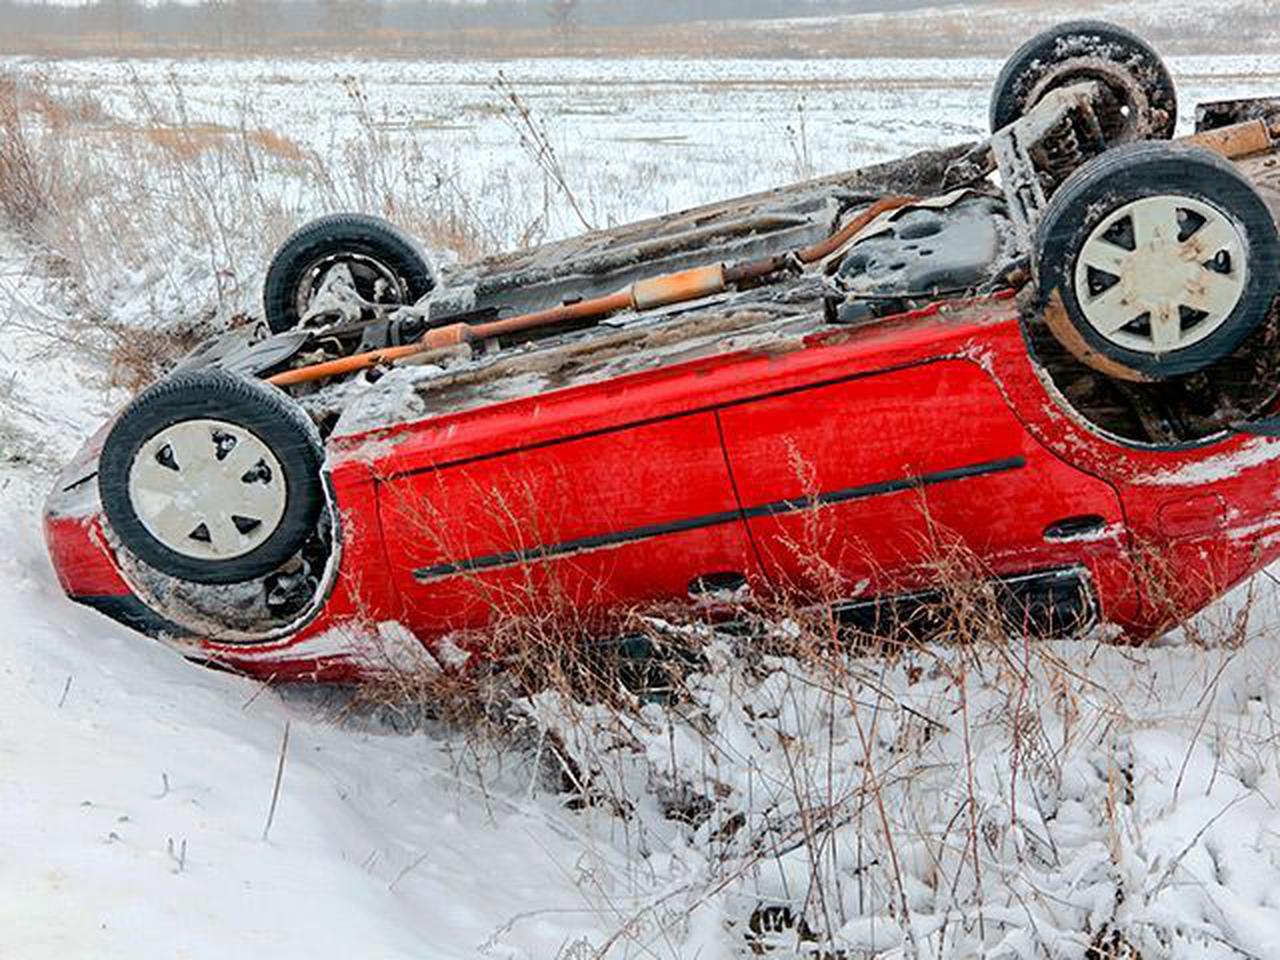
(998,26)
(134,788)
(636,137)
(1024,805)
(181,177)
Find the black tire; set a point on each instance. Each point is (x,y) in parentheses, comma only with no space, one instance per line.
(338,236)
(251,405)
(1140,170)
(1135,76)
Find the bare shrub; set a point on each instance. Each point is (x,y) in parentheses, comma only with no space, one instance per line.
(536,141)
(162,221)
(23,188)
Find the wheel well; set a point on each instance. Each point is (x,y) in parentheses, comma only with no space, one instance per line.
(1172,412)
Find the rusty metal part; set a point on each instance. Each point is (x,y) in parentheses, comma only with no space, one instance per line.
(1063,126)
(842,236)
(1055,317)
(351,364)
(1235,141)
(458,333)
(582,310)
(1121,101)
(1018,146)
(1215,114)
(672,288)
(751,271)
(678,287)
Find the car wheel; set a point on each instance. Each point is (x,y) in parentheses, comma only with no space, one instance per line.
(212,478)
(1165,258)
(385,264)
(1139,102)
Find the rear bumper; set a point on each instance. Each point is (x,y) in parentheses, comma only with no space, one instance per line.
(84,558)
(74,532)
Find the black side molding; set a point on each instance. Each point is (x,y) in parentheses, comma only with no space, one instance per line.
(826,498)
(1054,604)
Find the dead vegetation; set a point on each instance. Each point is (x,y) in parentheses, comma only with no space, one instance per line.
(834,787)
(162,221)
(804,786)
(23,190)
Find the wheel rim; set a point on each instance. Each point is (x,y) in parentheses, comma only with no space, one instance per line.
(208,489)
(374,280)
(1161,273)
(1123,106)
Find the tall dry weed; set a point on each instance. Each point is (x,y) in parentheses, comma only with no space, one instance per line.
(24,187)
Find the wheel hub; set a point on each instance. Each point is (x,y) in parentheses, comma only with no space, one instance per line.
(371,281)
(208,489)
(1161,273)
(1125,109)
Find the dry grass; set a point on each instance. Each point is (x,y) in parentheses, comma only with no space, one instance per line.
(190,140)
(827,776)
(23,188)
(578,706)
(160,221)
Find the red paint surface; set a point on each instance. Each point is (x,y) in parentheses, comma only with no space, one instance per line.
(927,392)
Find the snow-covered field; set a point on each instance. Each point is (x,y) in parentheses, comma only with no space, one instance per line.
(182,176)
(1027,801)
(635,137)
(996,27)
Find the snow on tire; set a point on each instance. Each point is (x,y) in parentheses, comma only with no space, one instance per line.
(1140,102)
(386,264)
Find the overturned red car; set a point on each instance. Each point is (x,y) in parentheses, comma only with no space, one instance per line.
(1054,353)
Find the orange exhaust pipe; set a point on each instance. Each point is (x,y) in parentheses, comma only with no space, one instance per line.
(642,295)
(846,233)
(351,364)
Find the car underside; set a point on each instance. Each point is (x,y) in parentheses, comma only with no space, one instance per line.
(1049,359)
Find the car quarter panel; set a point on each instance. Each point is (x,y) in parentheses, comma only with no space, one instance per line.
(1202,516)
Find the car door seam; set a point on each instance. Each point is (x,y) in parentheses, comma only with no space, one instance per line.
(737,498)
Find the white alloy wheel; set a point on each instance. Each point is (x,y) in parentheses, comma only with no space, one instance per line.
(207,489)
(1161,273)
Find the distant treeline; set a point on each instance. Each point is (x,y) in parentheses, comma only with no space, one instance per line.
(232,23)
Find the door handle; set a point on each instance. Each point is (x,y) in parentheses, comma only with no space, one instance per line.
(1071,528)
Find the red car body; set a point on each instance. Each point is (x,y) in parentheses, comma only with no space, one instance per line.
(865,452)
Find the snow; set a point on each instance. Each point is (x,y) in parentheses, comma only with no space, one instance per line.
(134,787)
(1245,456)
(1001,25)
(1099,788)
(635,138)
(146,752)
